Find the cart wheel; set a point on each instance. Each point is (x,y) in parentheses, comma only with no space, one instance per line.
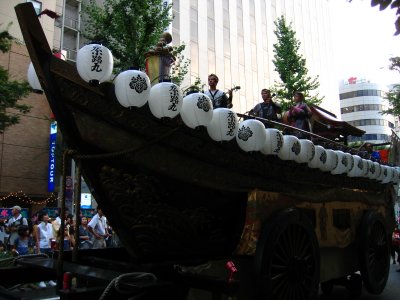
(354,285)
(326,287)
(287,258)
(374,252)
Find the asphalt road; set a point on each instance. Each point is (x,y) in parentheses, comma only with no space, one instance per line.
(391,292)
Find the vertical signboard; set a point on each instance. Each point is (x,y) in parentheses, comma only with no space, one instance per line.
(52,157)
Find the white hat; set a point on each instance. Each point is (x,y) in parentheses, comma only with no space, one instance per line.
(16,207)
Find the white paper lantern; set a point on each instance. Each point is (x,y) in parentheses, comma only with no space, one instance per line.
(374,170)
(396,175)
(165,100)
(357,168)
(307,151)
(366,164)
(388,174)
(251,135)
(33,80)
(273,142)
(197,110)
(319,158)
(132,88)
(350,161)
(331,161)
(291,148)
(382,173)
(342,163)
(223,125)
(94,63)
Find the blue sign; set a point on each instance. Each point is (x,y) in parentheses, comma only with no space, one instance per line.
(52,157)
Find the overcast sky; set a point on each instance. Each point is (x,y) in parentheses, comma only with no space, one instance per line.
(364,40)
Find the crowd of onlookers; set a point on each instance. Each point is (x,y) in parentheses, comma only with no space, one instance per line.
(42,234)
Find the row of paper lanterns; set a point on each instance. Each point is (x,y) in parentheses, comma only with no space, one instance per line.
(133,89)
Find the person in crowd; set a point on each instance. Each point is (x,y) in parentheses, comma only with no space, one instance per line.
(70,225)
(43,234)
(67,240)
(13,224)
(267,109)
(298,115)
(396,245)
(97,227)
(24,243)
(373,155)
(219,98)
(85,237)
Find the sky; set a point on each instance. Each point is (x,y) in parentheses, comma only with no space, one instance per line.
(364,41)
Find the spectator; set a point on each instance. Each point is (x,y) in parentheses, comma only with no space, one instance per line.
(97,227)
(13,224)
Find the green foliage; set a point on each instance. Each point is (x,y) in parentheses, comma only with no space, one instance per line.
(5,39)
(181,66)
(291,67)
(128,28)
(196,87)
(394,4)
(393,96)
(10,90)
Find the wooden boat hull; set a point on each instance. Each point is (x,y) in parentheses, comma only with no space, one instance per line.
(172,193)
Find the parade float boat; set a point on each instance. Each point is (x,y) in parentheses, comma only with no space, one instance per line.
(174,191)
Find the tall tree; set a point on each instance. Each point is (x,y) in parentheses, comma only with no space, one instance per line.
(11,91)
(393,96)
(291,67)
(129,29)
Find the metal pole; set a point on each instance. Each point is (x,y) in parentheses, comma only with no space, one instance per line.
(77,203)
(62,225)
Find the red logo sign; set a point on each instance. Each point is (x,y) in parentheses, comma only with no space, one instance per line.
(352,80)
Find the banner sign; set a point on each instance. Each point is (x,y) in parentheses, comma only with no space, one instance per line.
(52,157)
(6,213)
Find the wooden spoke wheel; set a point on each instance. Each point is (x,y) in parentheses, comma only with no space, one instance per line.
(287,258)
(374,252)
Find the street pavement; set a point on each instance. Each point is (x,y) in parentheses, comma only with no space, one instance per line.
(391,292)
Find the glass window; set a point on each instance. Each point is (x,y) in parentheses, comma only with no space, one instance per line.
(193,4)
(210,8)
(210,34)
(228,75)
(194,58)
(227,43)
(193,25)
(211,62)
(37,5)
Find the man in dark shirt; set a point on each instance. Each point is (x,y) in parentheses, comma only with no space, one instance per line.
(267,109)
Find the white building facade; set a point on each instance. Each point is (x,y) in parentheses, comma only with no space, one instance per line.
(234,39)
(361,104)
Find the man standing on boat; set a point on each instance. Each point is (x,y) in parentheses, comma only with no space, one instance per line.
(218,98)
(97,227)
(267,109)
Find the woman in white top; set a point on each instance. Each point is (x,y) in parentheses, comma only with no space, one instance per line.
(44,234)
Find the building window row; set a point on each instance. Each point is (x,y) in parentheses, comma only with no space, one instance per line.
(363,107)
(365,122)
(370,137)
(361,93)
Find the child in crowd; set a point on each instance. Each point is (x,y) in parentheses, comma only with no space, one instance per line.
(24,243)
